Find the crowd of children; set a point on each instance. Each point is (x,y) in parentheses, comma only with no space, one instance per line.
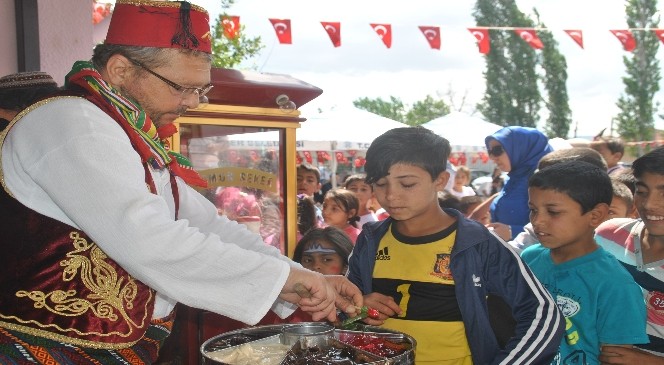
(582,283)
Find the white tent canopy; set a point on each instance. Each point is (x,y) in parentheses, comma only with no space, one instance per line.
(466,133)
(343,128)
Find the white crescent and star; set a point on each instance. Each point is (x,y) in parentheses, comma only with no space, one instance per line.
(331,28)
(280,27)
(381,30)
(526,36)
(230,23)
(479,35)
(430,33)
(622,37)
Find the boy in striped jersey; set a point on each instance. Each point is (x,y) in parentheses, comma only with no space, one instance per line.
(639,245)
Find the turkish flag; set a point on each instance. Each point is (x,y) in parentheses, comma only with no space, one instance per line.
(660,34)
(530,36)
(483,41)
(577,36)
(626,38)
(307,156)
(432,34)
(231,26)
(333,30)
(283,29)
(384,31)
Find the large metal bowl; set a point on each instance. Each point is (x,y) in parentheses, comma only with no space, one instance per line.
(337,339)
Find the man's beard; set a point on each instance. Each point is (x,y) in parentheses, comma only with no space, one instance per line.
(154,116)
(3,124)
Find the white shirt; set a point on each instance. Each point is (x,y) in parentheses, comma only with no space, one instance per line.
(70,161)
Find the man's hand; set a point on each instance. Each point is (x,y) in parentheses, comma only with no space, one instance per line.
(321,295)
(385,305)
(628,356)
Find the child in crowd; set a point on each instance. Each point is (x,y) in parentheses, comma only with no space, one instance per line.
(308,183)
(340,209)
(364,193)
(461,180)
(447,200)
(639,245)
(612,149)
(306,215)
(324,250)
(626,177)
(622,202)
(429,270)
(601,302)
(528,237)
(468,205)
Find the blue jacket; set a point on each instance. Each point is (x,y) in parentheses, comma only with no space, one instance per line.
(524,147)
(482,264)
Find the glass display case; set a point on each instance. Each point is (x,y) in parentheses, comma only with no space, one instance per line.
(243,143)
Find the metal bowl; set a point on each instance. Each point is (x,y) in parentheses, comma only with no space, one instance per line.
(305,338)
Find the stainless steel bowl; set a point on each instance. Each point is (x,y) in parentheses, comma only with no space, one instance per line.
(311,335)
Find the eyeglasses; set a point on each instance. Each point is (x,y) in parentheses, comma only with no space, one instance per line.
(496,151)
(185,91)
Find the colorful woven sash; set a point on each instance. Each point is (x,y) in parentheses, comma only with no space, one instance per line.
(153,145)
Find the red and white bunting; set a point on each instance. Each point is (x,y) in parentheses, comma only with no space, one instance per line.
(283,29)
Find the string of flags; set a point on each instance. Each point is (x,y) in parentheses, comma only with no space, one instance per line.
(432,34)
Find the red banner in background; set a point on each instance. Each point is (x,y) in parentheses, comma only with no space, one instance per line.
(483,41)
(231,25)
(333,30)
(432,34)
(384,31)
(626,39)
(576,35)
(530,36)
(283,29)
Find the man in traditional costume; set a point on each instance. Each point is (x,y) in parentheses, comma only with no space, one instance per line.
(101,233)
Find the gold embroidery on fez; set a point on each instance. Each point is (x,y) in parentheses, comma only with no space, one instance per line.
(110,294)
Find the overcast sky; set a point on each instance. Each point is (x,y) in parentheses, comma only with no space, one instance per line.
(410,70)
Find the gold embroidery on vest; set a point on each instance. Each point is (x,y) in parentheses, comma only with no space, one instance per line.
(110,295)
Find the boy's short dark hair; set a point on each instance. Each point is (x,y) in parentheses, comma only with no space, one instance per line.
(309,168)
(614,144)
(447,200)
(652,162)
(586,154)
(625,176)
(357,177)
(583,182)
(622,191)
(415,146)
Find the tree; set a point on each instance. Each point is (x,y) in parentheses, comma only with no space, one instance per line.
(636,117)
(230,52)
(555,83)
(425,110)
(512,96)
(393,109)
(421,112)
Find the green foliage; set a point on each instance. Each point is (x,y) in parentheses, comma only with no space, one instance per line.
(226,52)
(425,110)
(636,117)
(512,95)
(393,109)
(421,112)
(555,83)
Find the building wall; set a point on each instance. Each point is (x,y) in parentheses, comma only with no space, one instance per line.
(65,35)
(8,59)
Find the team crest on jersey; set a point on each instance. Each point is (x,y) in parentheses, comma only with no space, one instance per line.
(441,268)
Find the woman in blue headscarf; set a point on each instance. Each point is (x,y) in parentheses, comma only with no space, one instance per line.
(517,151)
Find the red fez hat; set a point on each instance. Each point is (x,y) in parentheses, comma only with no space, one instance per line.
(162,24)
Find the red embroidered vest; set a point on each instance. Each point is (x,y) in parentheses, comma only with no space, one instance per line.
(56,283)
